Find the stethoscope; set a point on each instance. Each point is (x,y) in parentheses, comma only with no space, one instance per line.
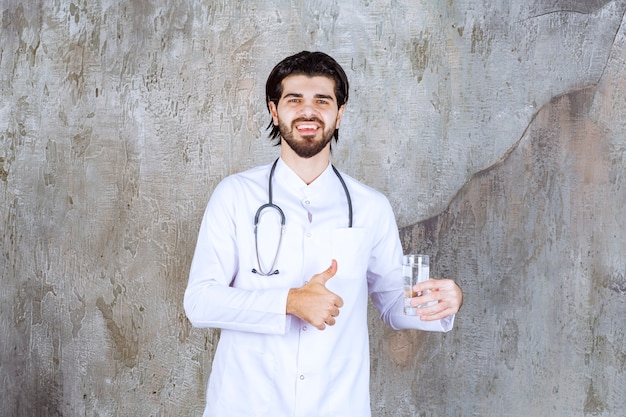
(270,205)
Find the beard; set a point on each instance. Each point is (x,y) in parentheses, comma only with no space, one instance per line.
(308,146)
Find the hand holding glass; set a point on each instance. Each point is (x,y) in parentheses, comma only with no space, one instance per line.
(415,268)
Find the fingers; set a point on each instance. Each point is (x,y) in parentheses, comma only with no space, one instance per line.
(325,276)
(435,284)
(330,320)
(331,313)
(444,285)
(313,302)
(446,294)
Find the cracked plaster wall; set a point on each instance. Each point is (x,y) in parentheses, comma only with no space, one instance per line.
(495,129)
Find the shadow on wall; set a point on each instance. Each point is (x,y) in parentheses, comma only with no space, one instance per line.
(577,6)
(535,243)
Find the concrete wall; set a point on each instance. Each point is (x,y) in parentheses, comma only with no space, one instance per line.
(495,128)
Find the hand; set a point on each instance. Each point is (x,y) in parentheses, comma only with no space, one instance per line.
(445,292)
(313,302)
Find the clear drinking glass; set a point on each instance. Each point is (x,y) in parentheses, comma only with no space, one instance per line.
(415,268)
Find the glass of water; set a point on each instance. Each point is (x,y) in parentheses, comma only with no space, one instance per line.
(415,268)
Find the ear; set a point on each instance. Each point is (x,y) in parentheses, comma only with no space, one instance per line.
(340,115)
(274,112)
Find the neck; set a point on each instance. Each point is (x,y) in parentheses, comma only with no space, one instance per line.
(308,169)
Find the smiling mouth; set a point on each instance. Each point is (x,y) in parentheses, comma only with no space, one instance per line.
(307,127)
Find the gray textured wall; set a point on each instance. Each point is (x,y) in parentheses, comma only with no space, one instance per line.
(495,128)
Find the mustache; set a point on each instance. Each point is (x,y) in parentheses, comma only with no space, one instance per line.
(308,119)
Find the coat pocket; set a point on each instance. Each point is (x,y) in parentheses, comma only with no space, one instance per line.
(349,249)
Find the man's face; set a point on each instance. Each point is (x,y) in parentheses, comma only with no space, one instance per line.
(307,113)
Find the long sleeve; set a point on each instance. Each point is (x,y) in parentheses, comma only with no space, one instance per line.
(385,278)
(211,298)
(280,364)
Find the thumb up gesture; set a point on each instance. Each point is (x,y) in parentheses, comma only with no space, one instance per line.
(313,302)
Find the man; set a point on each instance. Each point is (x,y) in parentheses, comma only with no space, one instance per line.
(292,300)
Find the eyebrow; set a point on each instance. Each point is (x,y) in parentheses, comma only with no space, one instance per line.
(299,95)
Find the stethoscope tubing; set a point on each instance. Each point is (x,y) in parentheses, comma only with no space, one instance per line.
(271,205)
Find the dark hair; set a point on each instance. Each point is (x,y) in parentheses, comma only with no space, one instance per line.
(311,64)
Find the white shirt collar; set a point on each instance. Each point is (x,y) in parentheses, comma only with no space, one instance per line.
(289,179)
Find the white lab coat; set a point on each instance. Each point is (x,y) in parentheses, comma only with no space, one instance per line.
(272,364)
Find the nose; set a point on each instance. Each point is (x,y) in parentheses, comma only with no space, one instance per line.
(308,110)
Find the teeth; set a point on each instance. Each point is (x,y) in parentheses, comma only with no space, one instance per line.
(307,127)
